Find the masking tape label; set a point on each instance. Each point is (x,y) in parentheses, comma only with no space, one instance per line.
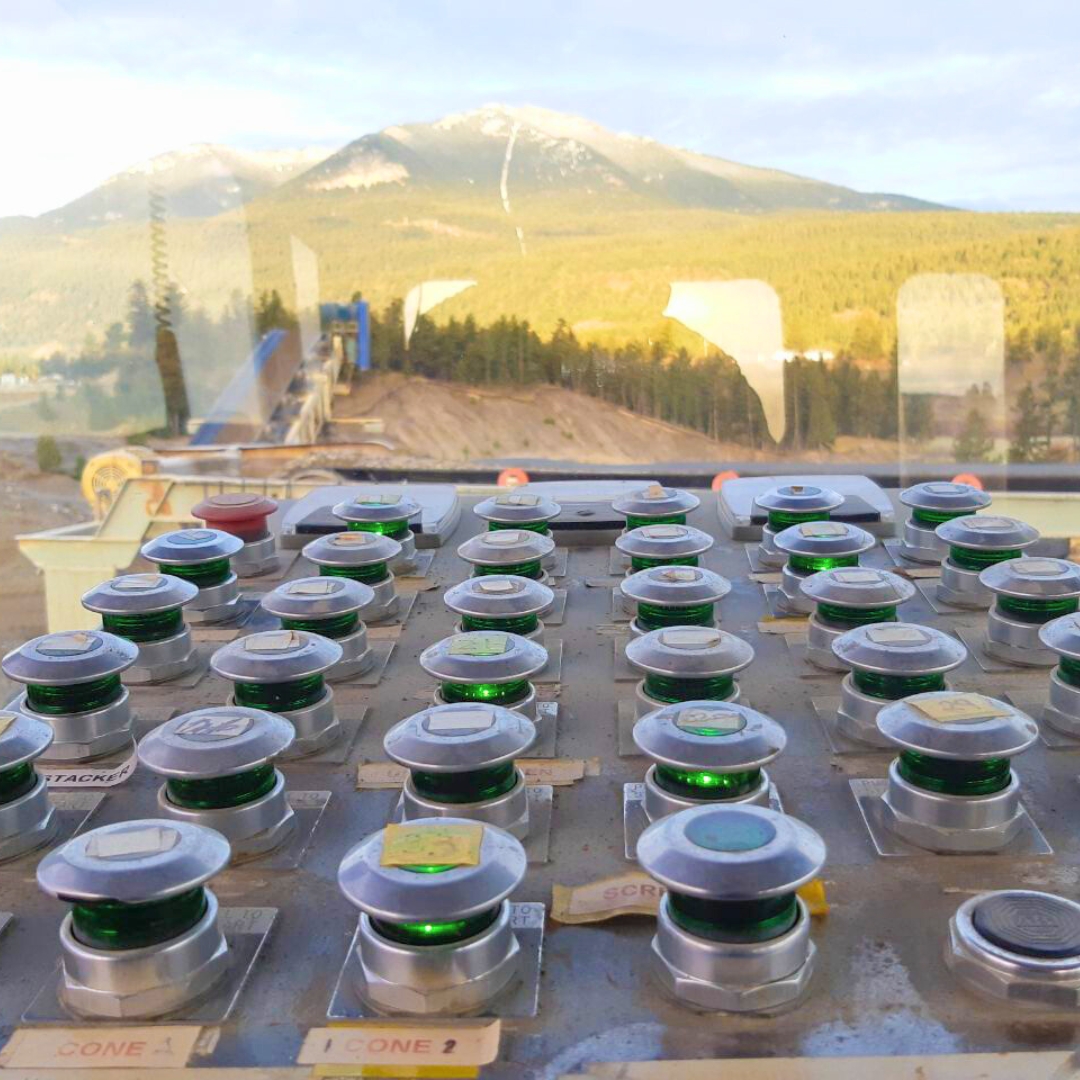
(381,1043)
(160,1046)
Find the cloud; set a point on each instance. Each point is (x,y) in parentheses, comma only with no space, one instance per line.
(928,98)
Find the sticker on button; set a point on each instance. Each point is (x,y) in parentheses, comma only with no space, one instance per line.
(431,845)
(217,727)
(678,573)
(1040,567)
(460,720)
(857,577)
(709,722)
(133,844)
(73,644)
(273,641)
(503,538)
(479,645)
(960,708)
(690,637)
(314,587)
(139,582)
(897,635)
(490,585)
(815,529)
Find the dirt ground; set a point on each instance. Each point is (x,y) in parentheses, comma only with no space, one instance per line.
(427,420)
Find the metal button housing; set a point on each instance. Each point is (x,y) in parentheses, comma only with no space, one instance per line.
(858,589)
(225,741)
(147,594)
(384,508)
(673,587)
(444,979)
(731,854)
(460,739)
(709,737)
(195,547)
(137,862)
(686,653)
(815,540)
(663,543)
(517,508)
(500,597)
(338,553)
(503,549)
(655,501)
(484,657)
(809,499)
(1018,946)
(895,649)
(324,599)
(1062,637)
(1014,638)
(954,727)
(920,542)
(981,534)
(70,659)
(27,821)
(284,656)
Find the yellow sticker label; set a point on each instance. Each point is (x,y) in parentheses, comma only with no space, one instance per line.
(654,491)
(431,845)
(6,720)
(960,708)
(663,532)
(479,645)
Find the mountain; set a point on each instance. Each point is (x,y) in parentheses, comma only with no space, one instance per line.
(198,181)
(502,150)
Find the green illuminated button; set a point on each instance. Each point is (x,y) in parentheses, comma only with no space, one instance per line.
(708,749)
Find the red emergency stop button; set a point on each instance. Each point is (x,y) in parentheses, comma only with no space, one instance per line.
(242,513)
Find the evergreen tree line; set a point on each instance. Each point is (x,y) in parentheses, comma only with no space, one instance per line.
(708,394)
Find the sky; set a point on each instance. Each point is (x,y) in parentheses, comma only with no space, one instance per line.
(970,104)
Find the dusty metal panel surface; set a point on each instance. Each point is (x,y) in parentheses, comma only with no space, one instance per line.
(881,986)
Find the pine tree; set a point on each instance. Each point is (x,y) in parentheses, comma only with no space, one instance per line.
(974,442)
